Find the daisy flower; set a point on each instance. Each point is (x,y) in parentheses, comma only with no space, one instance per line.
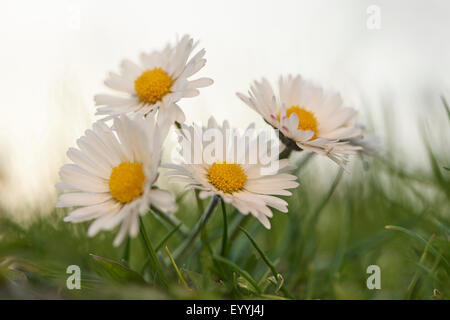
(112,176)
(157,82)
(234,176)
(307,118)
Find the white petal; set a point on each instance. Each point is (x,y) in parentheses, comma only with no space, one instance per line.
(73,199)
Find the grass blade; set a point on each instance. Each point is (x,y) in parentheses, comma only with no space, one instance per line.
(152,254)
(413,282)
(268,262)
(170,219)
(198,227)
(444,102)
(223,251)
(117,271)
(176,269)
(261,253)
(167,237)
(241,271)
(418,237)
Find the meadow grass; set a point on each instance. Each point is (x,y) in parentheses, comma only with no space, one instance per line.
(382,213)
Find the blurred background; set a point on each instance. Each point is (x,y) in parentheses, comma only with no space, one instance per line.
(389,59)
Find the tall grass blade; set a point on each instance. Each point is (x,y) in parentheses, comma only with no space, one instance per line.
(176,269)
(239,270)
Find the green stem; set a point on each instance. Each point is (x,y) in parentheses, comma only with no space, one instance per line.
(412,285)
(151,253)
(320,207)
(174,222)
(239,221)
(270,264)
(126,253)
(304,161)
(223,252)
(159,246)
(176,269)
(285,153)
(198,227)
(312,221)
(241,271)
(289,144)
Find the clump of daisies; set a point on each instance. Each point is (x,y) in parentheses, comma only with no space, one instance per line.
(113,178)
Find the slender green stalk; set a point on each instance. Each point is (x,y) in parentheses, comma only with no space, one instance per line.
(285,153)
(268,263)
(325,200)
(263,281)
(171,220)
(241,271)
(166,238)
(435,265)
(261,253)
(240,220)
(413,282)
(444,102)
(223,252)
(312,221)
(176,269)
(159,245)
(198,227)
(289,144)
(126,252)
(304,161)
(151,253)
(421,239)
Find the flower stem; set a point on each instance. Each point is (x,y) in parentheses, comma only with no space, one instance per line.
(198,227)
(170,219)
(289,144)
(285,153)
(223,252)
(126,252)
(151,253)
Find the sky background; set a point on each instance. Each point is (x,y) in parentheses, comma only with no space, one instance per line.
(55,55)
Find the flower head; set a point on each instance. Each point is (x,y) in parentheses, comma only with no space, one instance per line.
(156,83)
(235,167)
(312,120)
(113,174)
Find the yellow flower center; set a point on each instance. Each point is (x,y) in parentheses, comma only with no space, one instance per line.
(306,119)
(152,85)
(227,177)
(126,181)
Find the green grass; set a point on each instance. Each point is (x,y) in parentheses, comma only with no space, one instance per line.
(335,229)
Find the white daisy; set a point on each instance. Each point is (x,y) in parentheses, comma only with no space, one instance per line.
(156,83)
(232,175)
(113,174)
(310,119)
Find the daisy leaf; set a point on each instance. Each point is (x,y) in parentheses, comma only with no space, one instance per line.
(117,271)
